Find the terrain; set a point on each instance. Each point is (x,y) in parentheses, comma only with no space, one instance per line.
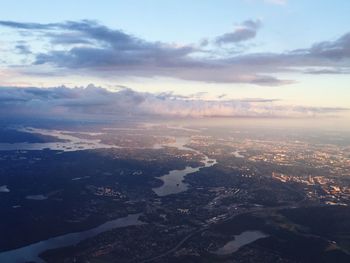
(227,194)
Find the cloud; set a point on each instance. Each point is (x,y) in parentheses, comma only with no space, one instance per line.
(334,50)
(104,51)
(245,31)
(89,48)
(19,25)
(329,71)
(68,39)
(277,2)
(99,103)
(23,49)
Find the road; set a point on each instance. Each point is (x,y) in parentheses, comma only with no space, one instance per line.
(179,244)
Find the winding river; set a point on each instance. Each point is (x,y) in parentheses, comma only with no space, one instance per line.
(32,252)
(173,183)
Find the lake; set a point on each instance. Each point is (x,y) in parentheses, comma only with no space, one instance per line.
(239,241)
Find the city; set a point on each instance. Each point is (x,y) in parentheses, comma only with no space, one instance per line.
(254,184)
(175,131)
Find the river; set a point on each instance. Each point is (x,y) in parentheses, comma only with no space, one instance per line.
(173,182)
(239,241)
(32,252)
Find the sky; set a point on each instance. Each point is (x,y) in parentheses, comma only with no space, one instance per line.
(262,58)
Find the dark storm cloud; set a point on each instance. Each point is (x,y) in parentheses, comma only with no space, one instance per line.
(87,47)
(95,101)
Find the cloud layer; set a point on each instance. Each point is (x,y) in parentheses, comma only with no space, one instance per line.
(97,102)
(87,47)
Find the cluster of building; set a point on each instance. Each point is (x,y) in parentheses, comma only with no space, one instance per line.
(105,191)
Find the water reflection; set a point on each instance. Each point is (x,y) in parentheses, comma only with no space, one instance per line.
(32,252)
(173,182)
(240,240)
(4,189)
(71,143)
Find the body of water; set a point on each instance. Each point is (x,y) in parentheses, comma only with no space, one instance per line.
(173,182)
(239,241)
(4,189)
(36,197)
(32,252)
(72,143)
